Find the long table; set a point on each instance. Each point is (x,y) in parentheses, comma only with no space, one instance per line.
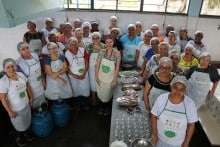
(128,126)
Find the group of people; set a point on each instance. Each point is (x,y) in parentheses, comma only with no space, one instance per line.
(78,62)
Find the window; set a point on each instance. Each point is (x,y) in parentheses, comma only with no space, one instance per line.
(210,7)
(171,6)
(131,5)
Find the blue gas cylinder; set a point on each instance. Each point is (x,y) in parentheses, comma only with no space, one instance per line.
(60,112)
(42,123)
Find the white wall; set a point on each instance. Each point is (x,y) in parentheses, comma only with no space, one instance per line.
(11,36)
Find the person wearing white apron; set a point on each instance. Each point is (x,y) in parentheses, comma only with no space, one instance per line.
(152,64)
(29,65)
(173,117)
(87,38)
(129,42)
(107,69)
(16,97)
(142,48)
(93,50)
(57,82)
(200,78)
(158,83)
(78,58)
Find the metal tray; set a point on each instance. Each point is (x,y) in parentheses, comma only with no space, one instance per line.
(141,142)
(128,73)
(131,86)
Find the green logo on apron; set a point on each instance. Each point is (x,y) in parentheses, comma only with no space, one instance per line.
(22,95)
(105,69)
(81,70)
(170,134)
(39,78)
(37,50)
(129,56)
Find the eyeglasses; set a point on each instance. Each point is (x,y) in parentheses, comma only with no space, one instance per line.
(164,67)
(95,38)
(173,58)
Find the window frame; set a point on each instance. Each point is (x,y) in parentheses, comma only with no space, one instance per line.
(207,16)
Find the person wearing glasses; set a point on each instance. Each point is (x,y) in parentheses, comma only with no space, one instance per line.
(173,116)
(158,83)
(142,48)
(93,50)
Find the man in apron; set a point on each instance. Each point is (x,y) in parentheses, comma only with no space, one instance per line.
(107,69)
(16,97)
(29,65)
(173,117)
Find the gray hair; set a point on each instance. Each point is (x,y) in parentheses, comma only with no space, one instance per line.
(8,61)
(205,54)
(21,44)
(149,32)
(165,44)
(154,39)
(199,33)
(72,39)
(190,46)
(96,34)
(86,24)
(51,44)
(166,60)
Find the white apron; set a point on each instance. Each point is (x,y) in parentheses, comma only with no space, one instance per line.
(19,102)
(154,93)
(143,49)
(55,90)
(129,52)
(92,67)
(172,126)
(106,75)
(198,87)
(35,80)
(77,66)
(35,46)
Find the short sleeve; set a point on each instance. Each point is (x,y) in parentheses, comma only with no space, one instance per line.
(151,80)
(191,111)
(4,84)
(47,61)
(159,104)
(62,58)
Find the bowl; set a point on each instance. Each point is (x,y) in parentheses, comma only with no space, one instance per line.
(127,66)
(118,144)
(141,142)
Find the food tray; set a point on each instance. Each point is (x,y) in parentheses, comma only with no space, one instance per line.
(129,80)
(127,101)
(128,73)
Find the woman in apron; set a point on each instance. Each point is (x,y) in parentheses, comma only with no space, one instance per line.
(78,61)
(130,42)
(158,83)
(16,97)
(93,50)
(173,117)
(29,65)
(142,48)
(34,38)
(152,64)
(106,74)
(57,82)
(200,78)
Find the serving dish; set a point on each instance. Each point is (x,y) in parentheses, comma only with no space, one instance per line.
(141,142)
(127,101)
(131,86)
(128,73)
(129,80)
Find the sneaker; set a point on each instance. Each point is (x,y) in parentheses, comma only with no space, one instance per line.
(28,137)
(20,141)
(107,111)
(100,111)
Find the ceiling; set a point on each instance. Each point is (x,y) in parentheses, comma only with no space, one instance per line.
(15,12)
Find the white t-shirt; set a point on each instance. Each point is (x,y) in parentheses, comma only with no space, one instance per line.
(47,33)
(191,111)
